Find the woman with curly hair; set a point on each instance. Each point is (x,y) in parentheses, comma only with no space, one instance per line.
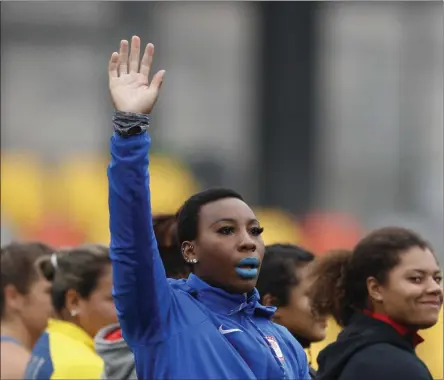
(382,293)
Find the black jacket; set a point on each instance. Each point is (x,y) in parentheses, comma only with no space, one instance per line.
(305,343)
(369,349)
(312,372)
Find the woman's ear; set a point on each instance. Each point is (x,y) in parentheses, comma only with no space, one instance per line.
(374,290)
(268,300)
(12,298)
(188,252)
(72,302)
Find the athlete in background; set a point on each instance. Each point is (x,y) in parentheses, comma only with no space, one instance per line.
(82,305)
(284,282)
(25,305)
(109,343)
(382,293)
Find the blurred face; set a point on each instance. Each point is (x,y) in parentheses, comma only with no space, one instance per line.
(297,315)
(98,310)
(229,247)
(36,307)
(413,294)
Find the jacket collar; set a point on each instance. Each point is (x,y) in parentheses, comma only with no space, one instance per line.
(71,330)
(401,329)
(223,302)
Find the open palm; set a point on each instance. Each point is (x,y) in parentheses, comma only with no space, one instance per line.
(129,86)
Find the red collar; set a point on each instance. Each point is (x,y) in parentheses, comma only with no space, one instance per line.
(401,329)
(114,335)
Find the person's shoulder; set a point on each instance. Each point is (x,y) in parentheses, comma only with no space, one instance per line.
(12,350)
(42,344)
(385,361)
(293,351)
(286,334)
(76,368)
(384,351)
(78,363)
(57,340)
(14,359)
(290,341)
(64,348)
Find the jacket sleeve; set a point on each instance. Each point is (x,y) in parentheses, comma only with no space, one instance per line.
(141,292)
(304,369)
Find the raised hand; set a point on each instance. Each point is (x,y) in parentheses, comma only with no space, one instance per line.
(129,86)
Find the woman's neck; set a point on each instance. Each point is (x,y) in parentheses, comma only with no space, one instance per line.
(305,343)
(65,317)
(17,330)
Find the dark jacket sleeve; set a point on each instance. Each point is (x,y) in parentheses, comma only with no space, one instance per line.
(312,372)
(141,292)
(384,362)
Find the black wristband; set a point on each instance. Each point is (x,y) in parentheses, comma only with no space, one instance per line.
(130,124)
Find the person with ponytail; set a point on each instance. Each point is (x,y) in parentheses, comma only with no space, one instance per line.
(382,293)
(82,304)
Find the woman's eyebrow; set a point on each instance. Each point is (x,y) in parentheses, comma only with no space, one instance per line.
(231,220)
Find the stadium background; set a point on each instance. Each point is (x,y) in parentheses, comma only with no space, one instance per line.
(328,117)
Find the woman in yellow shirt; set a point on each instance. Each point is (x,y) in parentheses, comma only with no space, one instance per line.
(83,304)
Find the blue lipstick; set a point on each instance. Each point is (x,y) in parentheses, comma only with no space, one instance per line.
(248,268)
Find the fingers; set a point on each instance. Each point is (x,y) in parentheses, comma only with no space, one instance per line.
(135,55)
(120,63)
(113,65)
(123,57)
(157,81)
(147,59)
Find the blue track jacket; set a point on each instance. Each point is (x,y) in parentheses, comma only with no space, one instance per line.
(183,329)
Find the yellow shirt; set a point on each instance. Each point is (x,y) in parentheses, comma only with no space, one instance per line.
(72,352)
(432,351)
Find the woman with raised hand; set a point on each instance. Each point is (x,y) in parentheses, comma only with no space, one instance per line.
(210,326)
(383,292)
(109,343)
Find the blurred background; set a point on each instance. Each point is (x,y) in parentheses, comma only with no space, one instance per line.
(328,117)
